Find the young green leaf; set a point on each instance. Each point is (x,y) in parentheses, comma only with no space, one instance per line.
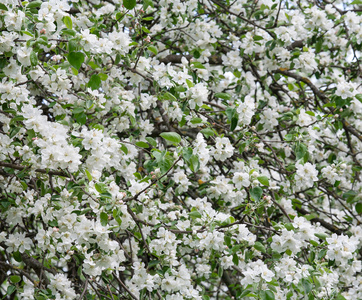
(142,144)
(172,137)
(104,218)
(33,58)
(223,96)
(94,82)
(68,22)
(152,141)
(263,180)
(256,193)
(129,4)
(153,49)
(76,59)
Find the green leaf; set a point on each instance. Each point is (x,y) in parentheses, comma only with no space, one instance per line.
(17,256)
(195,214)
(220,271)
(267,295)
(307,286)
(72,45)
(104,218)
(117,60)
(187,153)
(359,208)
(76,59)
(288,137)
(256,193)
(94,82)
(204,106)
(15,278)
(152,141)
(197,65)
(318,45)
(78,110)
(227,238)
(14,131)
(257,38)
(263,180)
(172,137)
(356,2)
(3,7)
(33,58)
(230,113)
(234,123)
(244,294)
(89,103)
(153,263)
(322,253)
(322,236)
(189,83)
(224,96)
(310,113)
(142,145)
(235,259)
(289,226)
(100,187)
(359,97)
(68,22)
(169,96)
(147,3)
(34,4)
(93,65)
(129,4)
(165,164)
(180,89)
(145,30)
(207,132)
(300,151)
(103,76)
(196,120)
(153,49)
(81,118)
(124,149)
(194,163)
(260,247)
(89,176)
(11,289)
(350,196)
(3,62)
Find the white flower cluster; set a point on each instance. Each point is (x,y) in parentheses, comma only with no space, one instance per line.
(55,151)
(180,150)
(223,149)
(306,175)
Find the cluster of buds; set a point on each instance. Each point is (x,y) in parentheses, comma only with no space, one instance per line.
(56,58)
